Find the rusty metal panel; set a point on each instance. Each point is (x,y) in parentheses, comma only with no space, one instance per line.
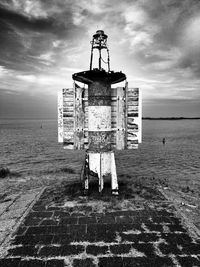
(99,94)
(99,141)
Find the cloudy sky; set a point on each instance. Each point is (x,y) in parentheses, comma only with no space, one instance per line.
(156,43)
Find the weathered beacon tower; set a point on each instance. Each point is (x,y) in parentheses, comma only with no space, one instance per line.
(99,118)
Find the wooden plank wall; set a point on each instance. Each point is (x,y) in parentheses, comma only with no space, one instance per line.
(126,117)
(134,118)
(78,118)
(85,109)
(71,117)
(68,118)
(60,117)
(118,97)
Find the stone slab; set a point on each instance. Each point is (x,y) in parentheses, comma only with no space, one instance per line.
(4,206)
(6,224)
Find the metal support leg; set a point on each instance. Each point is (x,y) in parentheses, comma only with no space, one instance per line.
(114,183)
(101,182)
(85,175)
(102,164)
(87,171)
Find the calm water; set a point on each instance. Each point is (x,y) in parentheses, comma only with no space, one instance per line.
(27,148)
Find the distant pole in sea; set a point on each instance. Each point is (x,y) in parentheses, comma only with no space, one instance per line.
(163,141)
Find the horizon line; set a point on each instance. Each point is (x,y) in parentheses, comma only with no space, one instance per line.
(144,118)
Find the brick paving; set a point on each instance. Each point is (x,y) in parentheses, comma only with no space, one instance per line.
(64,228)
(12,209)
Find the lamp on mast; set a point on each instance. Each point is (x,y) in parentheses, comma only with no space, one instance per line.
(99,41)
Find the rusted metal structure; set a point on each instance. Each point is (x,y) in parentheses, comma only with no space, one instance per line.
(99,118)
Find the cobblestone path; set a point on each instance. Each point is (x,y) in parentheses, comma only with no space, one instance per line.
(65,229)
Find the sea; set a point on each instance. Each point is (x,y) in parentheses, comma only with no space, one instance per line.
(30,147)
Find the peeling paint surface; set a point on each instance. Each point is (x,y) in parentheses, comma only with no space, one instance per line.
(99,118)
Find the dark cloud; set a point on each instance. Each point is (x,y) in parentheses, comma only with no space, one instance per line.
(25,22)
(155,42)
(191,62)
(57,21)
(24,37)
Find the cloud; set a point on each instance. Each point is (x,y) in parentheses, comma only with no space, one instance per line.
(3,71)
(46,58)
(189,42)
(135,15)
(155,42)
(27,78)
(138,28)
(20,20)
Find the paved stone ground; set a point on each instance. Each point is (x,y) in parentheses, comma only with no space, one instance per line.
(12,209)
(64,228)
